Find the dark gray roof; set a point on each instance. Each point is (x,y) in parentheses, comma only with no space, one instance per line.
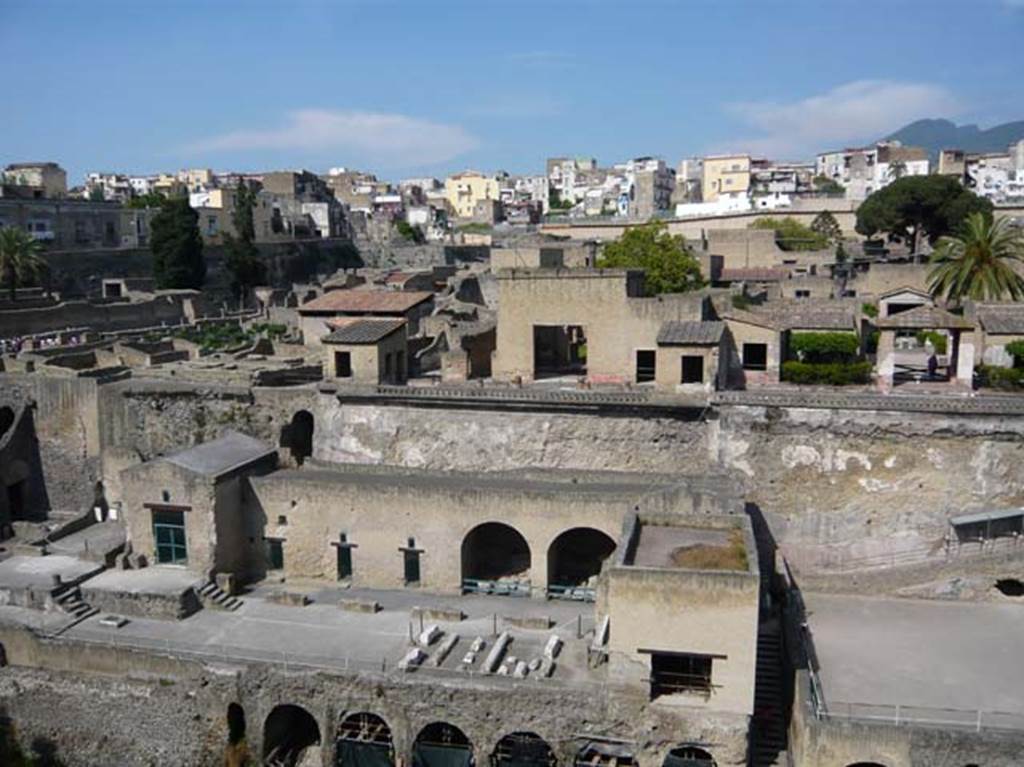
(686,333)
(362,331)
(925,318)
(228,452)
(1003,319)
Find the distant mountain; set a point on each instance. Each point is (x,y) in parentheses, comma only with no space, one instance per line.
(934,135)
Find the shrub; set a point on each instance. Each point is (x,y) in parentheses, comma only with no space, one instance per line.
(790,234)
(938,340)
(825,347)
(829,373)
(869,310)
(1007,379)
(1016,350)
(741,301)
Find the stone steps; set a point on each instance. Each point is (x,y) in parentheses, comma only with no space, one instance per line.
(71,603)
(214,596)
(768,737)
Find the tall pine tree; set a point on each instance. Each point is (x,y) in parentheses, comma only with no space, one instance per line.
(177,246)
(242,256)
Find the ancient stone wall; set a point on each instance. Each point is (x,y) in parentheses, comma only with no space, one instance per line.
(134,708)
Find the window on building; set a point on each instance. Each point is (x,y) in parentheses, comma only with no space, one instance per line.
(275,554)
(755,356)
(803,294)
(692,369)
(673,673)
(342,364)
(169,537)
(646,360)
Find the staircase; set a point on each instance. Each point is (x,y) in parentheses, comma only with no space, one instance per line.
(71,603)
(768,736)
(213,596)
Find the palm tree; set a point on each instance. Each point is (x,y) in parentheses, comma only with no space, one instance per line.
(897,170)
(984,261)
(19,258)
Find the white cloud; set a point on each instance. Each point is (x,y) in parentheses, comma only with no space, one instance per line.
(385,139)
(859,111)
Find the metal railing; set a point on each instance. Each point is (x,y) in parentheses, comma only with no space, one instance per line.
(837,563)
(923,716)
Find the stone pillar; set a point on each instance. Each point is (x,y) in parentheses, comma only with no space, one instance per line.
(965,360)
(885,359)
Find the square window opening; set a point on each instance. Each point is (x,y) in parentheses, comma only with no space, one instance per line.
(755,356)
(692,370)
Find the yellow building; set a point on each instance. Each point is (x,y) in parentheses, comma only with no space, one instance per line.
(464,190)
(725,176)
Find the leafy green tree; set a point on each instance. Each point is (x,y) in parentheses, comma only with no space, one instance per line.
(826,226)
(242,257)
(984,262)
(829,186)
(148,200)
(668,262)
(790,234)
(916,205)
(20,263)
(177,246)
(96,194)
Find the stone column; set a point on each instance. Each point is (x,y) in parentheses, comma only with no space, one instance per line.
(885,359)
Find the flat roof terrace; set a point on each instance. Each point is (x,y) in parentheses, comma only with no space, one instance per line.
(932,654)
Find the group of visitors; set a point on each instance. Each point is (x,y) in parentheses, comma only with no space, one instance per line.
(13,346)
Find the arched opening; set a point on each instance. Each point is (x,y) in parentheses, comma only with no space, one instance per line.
(289,733)
(236,723)
(364,740)
(596,754)
(6,420)
(688,756)
(297,436)
(1010,587)
(574,562)
(523,749)
(442,745)
(495,560)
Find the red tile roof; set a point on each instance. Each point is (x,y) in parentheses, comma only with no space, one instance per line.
(367,301)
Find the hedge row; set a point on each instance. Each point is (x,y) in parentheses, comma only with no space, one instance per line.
(830,373)
(992,377)
(825,347)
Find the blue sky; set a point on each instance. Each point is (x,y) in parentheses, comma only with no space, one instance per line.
(406,87)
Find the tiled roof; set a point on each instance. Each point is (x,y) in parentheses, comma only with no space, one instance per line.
(360,330)
(1002,319)
(368,301)
(684,333)
(925,318)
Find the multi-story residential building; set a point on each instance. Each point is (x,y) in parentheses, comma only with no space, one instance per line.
(303,205)
(464,190)
(215,208)
(649,184)
(565,174)
(65,224)
(141,185)
(113,187)
(952,162)
(864,170)
(725,176)
(356,189)
(772,179)
(688,180)
(35,180)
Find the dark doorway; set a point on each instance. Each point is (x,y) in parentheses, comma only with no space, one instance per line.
(692,370)
(300,436)
(275,554)
(6,419)
(688,756)
(755,356)
(287,733)
(495,552)
(342,365)
(411,563)
(523,749)
(16,493)
(236,723)
(574,561)
(559,350)
(344,557)
(442,745)
(646,362)
(364,740)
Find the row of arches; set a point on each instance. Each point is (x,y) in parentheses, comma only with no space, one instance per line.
(364,739)
(495,551)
